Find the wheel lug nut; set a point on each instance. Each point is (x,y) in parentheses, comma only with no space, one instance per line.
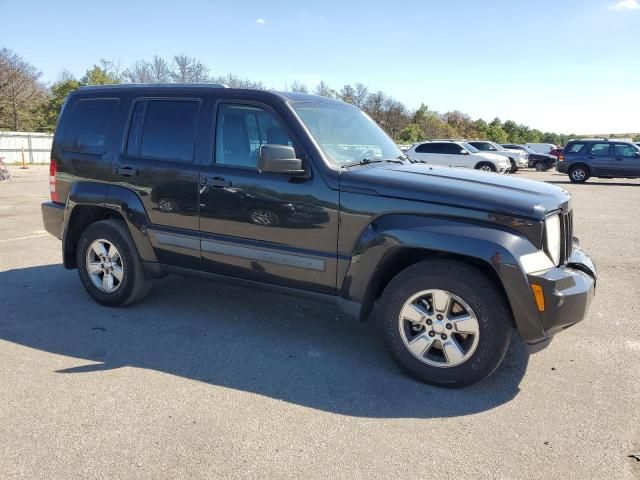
(431,334)
(429,322)
(443,336)
(439,317)
(449,326)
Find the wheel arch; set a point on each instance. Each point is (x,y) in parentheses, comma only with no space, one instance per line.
(404,240)
(90,202)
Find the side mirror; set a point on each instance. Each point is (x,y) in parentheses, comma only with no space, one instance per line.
(279,159)
(463,152)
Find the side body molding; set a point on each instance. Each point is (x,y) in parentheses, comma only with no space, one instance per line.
(498,249)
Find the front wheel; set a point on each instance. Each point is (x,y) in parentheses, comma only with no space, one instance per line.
(514,166)
(445,323)
(486,167)
(541,167)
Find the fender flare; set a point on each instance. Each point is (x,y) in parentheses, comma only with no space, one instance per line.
(120,200)
(492,247)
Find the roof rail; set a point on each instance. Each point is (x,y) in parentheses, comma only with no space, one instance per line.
(156,85)
(447,140)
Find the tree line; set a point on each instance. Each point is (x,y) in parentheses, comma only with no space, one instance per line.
(26,103)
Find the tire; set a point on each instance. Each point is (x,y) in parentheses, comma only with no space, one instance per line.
(486,167)
(134,282)
(541,167)
(264,217)
(514,167)
(579,174)
(465,284)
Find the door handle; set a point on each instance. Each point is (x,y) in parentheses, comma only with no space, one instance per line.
(219,182)
(126,171)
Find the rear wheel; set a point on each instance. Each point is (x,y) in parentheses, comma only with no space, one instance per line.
(109,265)
(579,174)
(514,167)
(541,167)
(445,323)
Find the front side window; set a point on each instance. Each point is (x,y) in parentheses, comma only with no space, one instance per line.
(626,150)
(163,130)
(240,132)
(90,122)
(344,133)
(600,150)
(452,148)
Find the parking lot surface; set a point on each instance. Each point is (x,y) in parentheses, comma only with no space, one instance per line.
(206,380)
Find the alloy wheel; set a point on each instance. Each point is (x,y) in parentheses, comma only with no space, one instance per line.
(439,328)
(105,266)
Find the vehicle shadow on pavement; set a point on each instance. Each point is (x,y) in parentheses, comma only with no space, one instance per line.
(591,182)
(285,348)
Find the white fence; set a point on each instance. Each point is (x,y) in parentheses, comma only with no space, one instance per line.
(36,147)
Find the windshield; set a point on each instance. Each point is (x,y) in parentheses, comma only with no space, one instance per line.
(496,146)
(470,147)
(346,134)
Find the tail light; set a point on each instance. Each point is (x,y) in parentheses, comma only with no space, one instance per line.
(561,157)
(53,167)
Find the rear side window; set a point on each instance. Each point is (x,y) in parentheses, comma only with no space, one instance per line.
(480,146)
(426,148)
(163,130)
(89,123)
(574,147)
(600,150)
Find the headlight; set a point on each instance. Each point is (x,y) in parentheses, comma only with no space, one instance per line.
(552,237)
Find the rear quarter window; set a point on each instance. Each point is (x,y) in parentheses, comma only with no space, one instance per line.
(574,147)
(89,122)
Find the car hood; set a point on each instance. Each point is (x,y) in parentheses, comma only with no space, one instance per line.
(494,157)
(458,187)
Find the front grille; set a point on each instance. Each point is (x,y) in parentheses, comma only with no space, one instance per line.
(566,226)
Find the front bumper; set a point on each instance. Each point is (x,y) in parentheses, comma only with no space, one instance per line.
(53,218)
(568,291)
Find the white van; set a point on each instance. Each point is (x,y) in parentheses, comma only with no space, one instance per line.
(541,147)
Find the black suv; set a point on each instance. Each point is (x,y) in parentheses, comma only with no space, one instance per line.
(582,159)
(540,161)
(307,195)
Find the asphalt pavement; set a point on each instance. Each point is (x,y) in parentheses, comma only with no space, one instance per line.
(207,380)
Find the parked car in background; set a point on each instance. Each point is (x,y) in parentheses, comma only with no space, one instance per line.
(541,147)
(556,152)
(583,159)
(451,153)
(517,158)
(540,161)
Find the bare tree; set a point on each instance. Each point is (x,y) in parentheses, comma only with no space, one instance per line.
(348,94)
(234,81)
(186,69)
(139,72)
(324,90)
(159,69)
(360,96)
(297,86)
(20,90)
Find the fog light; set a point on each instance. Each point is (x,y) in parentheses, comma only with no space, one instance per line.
(538,294)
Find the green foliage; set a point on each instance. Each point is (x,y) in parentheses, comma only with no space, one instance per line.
(412,133)
(99,76)
(50,110)
(636,138)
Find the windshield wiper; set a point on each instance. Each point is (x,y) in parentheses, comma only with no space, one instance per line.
(367,161)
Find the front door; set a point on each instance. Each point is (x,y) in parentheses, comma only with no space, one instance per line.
(266,227)
(157,163)
(626,160)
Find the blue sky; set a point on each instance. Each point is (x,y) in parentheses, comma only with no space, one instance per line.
(560,65)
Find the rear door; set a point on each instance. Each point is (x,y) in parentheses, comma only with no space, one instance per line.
(158,162)
(599,158)
(626,162)
(425,152)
